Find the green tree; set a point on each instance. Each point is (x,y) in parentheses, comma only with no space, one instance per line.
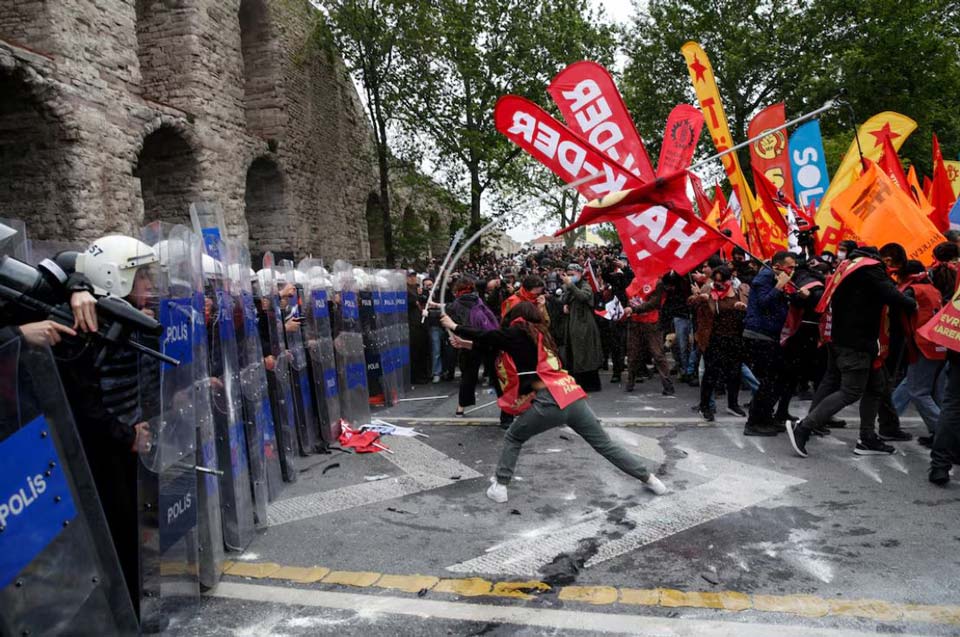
(468,53)
(366,34)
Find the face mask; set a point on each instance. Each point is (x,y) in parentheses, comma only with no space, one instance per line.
(575,278)
(841,255)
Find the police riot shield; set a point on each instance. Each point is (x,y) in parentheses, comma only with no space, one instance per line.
(236,502)
(371,325)
(317,299)
(348,346)
(13,239)
(181,257)
(59,572)
(257,414)
(167,440)
(290,301)
(277,365)
(402,327)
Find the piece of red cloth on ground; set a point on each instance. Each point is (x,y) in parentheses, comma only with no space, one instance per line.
(361,442)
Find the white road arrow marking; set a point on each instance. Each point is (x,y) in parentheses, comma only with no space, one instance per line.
(734,486)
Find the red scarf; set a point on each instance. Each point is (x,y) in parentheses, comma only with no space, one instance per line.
(717,293)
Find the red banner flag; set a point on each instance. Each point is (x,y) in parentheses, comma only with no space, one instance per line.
(770,154)
(704,205)
(590,103)
(890,164)
(941,191)
(680,140)
(591,277)
(664,192)
(770,225)
(718,196)
(944,328)
(728,221)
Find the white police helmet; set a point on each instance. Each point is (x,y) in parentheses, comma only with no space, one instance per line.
(111,263)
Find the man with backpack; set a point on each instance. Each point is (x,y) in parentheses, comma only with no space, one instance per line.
(469,309)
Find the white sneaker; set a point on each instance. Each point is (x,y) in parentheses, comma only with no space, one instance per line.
(653,484)
(436,379)
(497,492)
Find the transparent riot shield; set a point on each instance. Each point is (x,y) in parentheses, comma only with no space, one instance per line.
(317,299)
(371,326)
(277,365)
(13,239)
(290,301)
(348,346)
(236,501)
(257,413)
(59,572)
(166,444)
(390,336)
(181,258)
(403,331)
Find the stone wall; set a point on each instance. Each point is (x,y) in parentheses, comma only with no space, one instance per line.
(114,113)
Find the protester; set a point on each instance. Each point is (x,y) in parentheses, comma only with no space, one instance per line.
(644,335)
(536,379)
(582,350)
(676,311)
(470,310)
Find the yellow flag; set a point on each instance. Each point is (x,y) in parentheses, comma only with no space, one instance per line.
(705,85)
(713,219)
(887,124)
(953,174)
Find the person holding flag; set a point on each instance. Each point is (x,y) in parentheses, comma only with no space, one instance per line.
(582,348)
(531,376)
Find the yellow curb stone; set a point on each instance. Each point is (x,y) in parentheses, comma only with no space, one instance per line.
(470,587)
(301,574)
(724,600)
(257,570)
(589,594)
(640,596)
(408,583)
(361,579)
(869,608)
(930,614)
(516,589)
(806,605)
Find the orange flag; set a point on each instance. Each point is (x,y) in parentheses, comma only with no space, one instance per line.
(879,213)
(941,192)
(916,192)
(771,226)
(713,219)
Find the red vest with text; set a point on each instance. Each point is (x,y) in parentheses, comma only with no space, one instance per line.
(845,269)
(795,316)
(929,303)
(559,383)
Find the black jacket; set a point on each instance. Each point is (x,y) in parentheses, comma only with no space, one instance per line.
(858,302)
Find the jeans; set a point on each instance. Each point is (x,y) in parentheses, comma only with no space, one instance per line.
(436,349)
(766,362)
(859,380)
(682,330)
(917,388)
(544,414)
(946,442)
(748,380)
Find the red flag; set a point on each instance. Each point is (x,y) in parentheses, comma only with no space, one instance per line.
(704,205)
(718,196)
(591,105)
(769,154)
(927,186)
(728,221)
(941,192)
(666,240)
(889,163)
(664,192)
(769,222)
(680,140)
(591,277)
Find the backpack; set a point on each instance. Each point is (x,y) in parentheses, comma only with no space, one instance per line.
(482,317)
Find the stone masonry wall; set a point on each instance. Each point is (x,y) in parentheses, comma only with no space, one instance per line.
(118,112)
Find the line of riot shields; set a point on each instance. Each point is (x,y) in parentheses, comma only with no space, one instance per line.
(271,364)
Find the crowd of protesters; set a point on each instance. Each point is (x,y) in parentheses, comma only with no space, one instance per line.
(833,328)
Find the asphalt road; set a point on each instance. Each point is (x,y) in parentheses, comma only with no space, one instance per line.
(751,539)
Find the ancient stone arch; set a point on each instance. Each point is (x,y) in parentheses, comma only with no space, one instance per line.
(265,208)
(261,99)
(375,228)
(35,171)
(169,174)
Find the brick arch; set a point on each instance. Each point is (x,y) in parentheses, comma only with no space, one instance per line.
(168,169)
(258,48)
(266,210)
(37,171)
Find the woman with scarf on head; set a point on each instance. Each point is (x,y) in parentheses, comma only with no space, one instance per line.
(720,309)
(541,393)
(469,309)
(582,350)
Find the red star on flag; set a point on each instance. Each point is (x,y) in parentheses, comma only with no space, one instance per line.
(884,132)
(698,69)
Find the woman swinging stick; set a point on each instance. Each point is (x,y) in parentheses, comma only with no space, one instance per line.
(541,394)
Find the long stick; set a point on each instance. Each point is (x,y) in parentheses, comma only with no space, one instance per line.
(443,265)
(826,107)
(466,246)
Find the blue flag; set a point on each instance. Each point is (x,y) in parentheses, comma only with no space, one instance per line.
(955,214)
(808,164)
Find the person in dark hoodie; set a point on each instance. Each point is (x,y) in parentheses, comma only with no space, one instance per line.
(854,304)
(465,309)
(766,314)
